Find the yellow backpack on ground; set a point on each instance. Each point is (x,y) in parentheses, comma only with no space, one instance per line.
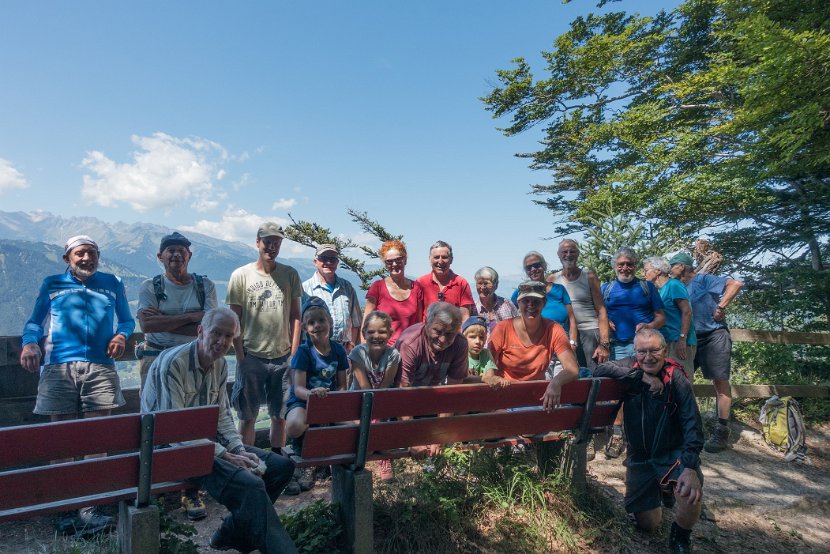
(783,427)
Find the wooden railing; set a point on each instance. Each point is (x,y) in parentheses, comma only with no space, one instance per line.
(18,387)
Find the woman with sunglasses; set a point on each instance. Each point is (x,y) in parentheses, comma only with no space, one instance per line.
(524,346)
(557,302)
(396,295)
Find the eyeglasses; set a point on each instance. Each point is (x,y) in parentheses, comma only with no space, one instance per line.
(652,351)
(328,259)
(625,264)
(534,265)
(394,261)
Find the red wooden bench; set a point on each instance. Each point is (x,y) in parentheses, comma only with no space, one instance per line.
(131,469)
(342,433)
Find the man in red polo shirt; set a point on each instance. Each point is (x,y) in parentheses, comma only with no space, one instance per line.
(442,285)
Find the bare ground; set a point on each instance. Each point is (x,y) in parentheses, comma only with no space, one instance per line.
(753,502)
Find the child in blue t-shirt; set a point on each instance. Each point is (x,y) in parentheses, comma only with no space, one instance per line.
(319,366)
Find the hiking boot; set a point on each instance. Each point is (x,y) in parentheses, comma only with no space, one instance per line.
(386,471)
(616,444)
(677,544)
(193,505)
(91,521)
(305,478)
(718,440)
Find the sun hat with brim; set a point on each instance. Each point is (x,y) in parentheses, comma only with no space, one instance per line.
(681,258)
(532,289)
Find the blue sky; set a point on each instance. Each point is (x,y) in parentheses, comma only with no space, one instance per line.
(215,116)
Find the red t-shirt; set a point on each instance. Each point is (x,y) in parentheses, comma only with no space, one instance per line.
(421,367)
(519,362)
(403,312)
(457,292)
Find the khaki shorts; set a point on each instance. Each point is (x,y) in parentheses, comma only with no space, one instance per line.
(77,387)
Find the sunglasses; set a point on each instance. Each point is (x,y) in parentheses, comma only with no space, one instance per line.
(394,261)
(328,259)
(625,264)
(534,265)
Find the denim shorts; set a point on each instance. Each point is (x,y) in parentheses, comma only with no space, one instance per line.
(258,381)
(77,387)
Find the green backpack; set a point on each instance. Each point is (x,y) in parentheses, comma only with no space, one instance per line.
(783,427)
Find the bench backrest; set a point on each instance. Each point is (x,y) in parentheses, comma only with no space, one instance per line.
(479,412)
(29,487)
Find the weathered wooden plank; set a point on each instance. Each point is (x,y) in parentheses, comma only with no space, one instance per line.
(779,337)
(764,391)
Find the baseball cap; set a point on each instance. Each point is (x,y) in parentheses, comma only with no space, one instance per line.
(327,248)
(534,289)
(682,258)
(474,320)
(270,229)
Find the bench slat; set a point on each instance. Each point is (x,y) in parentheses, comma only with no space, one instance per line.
(332,441)
(43,442)
(417,401)
(53,483)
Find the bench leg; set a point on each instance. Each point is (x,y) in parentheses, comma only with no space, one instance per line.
(138,529)
(352,491)
(565,456)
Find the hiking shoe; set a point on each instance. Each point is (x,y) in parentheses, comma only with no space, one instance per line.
(386,471)
(65,523)
(718,440)
(616,444)
(678,545)
(305,478)
(221,542)
(193,505)
(91,521)
(293,487)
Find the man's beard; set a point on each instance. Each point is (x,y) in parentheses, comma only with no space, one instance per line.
(625,278)
(83,274)
(568,264)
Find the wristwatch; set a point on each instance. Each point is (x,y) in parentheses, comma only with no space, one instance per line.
(682,335)
(606,345)
(573,343)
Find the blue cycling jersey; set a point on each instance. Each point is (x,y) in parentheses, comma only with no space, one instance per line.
(77,318)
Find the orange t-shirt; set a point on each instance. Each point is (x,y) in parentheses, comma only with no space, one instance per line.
(519,362)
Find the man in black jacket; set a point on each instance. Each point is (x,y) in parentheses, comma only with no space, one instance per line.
(664,438)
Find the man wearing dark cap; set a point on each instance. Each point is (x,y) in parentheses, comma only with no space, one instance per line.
(709,296)
(338,294)
(78,378)
(170,308)
(265,294)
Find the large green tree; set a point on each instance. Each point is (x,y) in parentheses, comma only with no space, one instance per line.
(715,116)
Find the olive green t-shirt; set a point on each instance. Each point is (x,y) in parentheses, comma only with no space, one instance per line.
(265,300)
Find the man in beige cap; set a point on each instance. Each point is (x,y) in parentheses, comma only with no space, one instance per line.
(265,295)
(338,294)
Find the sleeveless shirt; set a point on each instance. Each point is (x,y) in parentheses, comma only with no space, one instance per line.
(581,300)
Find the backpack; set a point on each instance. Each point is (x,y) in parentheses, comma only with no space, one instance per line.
(158,289)
(783,427)
(643,285)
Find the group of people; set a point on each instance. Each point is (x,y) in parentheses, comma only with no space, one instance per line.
(293,340)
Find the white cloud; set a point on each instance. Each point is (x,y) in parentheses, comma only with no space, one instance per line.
(284,204)
(235,224)
(11,178)
(165,170)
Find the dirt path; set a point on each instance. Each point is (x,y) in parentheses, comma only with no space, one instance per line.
(754,502)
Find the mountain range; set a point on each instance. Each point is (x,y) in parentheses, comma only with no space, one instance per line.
(31,247)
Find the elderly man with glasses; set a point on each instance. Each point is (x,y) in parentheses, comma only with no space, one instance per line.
(664,438)
(338,294)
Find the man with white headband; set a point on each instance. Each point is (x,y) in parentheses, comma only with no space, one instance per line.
(72,334)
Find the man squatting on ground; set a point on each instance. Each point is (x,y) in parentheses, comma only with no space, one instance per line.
(170,308)
(245,479)
(75,313)
(664,438)
(265,295)
(709,296)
